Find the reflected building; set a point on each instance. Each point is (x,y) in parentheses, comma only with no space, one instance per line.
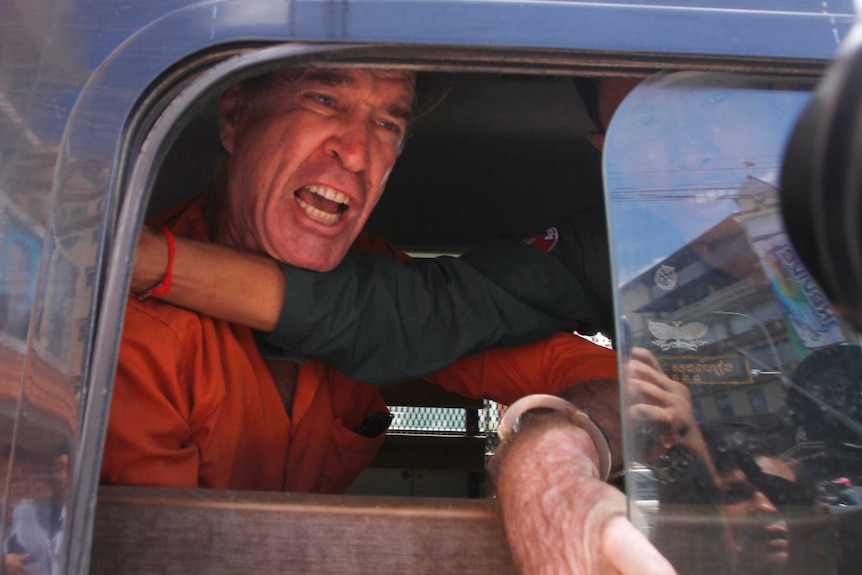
(732,313)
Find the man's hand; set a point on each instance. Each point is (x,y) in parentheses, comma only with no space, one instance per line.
(659,407)
(559,517)
(630,552)
(13,564)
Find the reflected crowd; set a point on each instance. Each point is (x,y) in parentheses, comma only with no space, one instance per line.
(35,534)
(732,498)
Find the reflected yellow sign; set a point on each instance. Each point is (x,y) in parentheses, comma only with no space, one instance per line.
(731,369)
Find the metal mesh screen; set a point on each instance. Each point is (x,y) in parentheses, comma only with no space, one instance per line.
(429,419)
(447,421)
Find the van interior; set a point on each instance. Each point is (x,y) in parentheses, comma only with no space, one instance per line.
(501,154)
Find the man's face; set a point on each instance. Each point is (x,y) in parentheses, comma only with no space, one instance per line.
(760,533)
(60,475)
(308,161)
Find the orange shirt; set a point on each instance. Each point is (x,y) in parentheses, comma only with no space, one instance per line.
(506,374)
(194,404)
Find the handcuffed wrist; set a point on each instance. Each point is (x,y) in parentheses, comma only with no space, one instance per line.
(511,420)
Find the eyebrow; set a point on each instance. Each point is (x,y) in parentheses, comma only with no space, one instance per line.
(337,78)
(401,112)
(332,78)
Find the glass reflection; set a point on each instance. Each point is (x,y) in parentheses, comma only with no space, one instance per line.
(742,387)
(37,526)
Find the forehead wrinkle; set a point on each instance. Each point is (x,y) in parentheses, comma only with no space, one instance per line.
(336,78)
(333,78)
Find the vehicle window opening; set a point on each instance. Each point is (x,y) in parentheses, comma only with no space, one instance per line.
(503,154)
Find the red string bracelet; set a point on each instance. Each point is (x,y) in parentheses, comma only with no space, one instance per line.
(163,286)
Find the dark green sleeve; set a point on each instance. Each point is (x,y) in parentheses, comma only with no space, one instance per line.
(581,246)
(382,321)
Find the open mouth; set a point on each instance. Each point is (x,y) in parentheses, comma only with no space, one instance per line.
(771,541)
(321,204)
(777,549)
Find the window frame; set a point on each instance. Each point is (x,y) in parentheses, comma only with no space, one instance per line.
(168,102)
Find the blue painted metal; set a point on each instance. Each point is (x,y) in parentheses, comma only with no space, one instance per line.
(71,75)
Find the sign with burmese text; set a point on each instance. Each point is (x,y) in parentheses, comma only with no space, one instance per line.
(731,369)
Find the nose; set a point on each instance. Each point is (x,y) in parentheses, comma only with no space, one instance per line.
(762,504)
(350,144)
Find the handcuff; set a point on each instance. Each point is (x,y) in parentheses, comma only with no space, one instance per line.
(511,419)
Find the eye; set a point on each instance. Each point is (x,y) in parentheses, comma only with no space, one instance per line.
(322,99)
(389,126)
(736,492)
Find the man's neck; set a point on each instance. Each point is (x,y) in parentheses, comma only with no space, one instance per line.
(217,211)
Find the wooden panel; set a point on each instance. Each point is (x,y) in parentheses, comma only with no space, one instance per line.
(456,452)
(166,531)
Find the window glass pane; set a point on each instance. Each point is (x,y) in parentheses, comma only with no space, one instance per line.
(763,374)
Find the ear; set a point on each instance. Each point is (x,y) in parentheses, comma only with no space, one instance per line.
(597,139)
(230,112)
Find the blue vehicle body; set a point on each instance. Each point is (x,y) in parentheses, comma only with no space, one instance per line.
(82,82)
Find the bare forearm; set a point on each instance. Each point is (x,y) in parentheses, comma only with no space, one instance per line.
(554,507)
(601,400)
(560,518)
(236,286)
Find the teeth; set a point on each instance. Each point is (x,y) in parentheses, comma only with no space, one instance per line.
(318,215)
(330,194)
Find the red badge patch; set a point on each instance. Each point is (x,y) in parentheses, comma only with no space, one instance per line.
(545,240)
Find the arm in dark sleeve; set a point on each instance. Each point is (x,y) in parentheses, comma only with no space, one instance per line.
(381,321)
(580,243)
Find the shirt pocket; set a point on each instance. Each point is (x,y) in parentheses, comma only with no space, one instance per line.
(347,456)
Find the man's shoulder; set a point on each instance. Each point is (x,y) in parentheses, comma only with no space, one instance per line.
(154,320)
(25,504)
(30,507)
(367,243)
(186,218)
